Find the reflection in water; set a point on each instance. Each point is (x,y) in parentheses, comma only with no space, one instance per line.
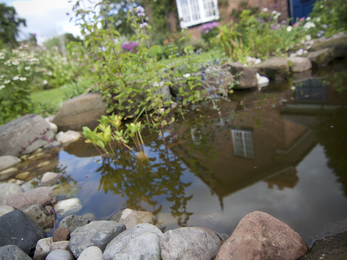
(254,154)
(145,180)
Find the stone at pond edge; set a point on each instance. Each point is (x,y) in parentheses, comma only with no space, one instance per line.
(189,243)
(130,217)
(80,111)
(39,215)
(246,76)
(60,245)
(5,174)
(43,246)
(17,229)
(5,209)
(261,236)
(138,242)
(59,255)
(276,68)
(72,222)
(331,247)
(18,133)
(42,196)
(300,64)
(67,207)
(61,234)
(7,190)
(49,177)
(12,252)
(91,253)
(68,137)
(96,233)
(8,161)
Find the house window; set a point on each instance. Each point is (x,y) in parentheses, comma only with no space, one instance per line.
(193,12)
(243,143)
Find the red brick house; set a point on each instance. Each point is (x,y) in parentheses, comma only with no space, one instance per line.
(193,13)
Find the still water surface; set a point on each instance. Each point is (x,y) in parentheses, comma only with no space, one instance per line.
(279,150)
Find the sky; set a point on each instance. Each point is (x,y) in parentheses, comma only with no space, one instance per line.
(45,18)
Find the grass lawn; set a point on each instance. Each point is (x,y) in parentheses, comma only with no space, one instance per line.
(51,96)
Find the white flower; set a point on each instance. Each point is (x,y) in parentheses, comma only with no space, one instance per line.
(2,86)
(274,12)
(289,28)
(187,75)
(2,55)
(49,73)
(321,6)
(309,25)
(7,81)
(15,78)
(15,62)
(308,37)
(318,19)
(27,68)
(308,18)
(22,78)
(44,82)
(292,87)
(265,9)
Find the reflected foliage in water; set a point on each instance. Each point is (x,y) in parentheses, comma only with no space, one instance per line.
(143,177)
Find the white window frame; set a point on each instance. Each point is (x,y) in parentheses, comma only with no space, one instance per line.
(202,11)
(243,143)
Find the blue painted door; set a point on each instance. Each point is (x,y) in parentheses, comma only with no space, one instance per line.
(302,8)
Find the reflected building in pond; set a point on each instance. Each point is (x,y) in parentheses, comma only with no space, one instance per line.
(234,151)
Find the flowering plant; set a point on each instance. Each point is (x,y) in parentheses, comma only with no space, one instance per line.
(17,67)
(132,82)
(57,68)
(130,46)
(209,31)
(329,17)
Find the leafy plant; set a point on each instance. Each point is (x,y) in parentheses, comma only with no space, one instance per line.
(18,68)
(133,82)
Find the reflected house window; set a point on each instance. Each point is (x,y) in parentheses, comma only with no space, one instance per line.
(310,91)
(193,12)
(243,143)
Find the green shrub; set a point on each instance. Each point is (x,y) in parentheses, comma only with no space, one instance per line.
(18,68)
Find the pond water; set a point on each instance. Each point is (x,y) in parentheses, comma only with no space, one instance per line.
(279,150)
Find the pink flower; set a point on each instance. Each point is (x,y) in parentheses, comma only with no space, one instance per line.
(302,19)
(296,25)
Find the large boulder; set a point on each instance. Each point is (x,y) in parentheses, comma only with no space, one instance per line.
(246,77)
(80,111)
(20,132)
(138,242)
(17,229)
(322,53)
(276,68)
(261,236)
(190,243)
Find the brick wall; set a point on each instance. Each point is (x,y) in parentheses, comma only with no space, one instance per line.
(225,11)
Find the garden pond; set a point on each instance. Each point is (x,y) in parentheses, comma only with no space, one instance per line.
(281,150)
